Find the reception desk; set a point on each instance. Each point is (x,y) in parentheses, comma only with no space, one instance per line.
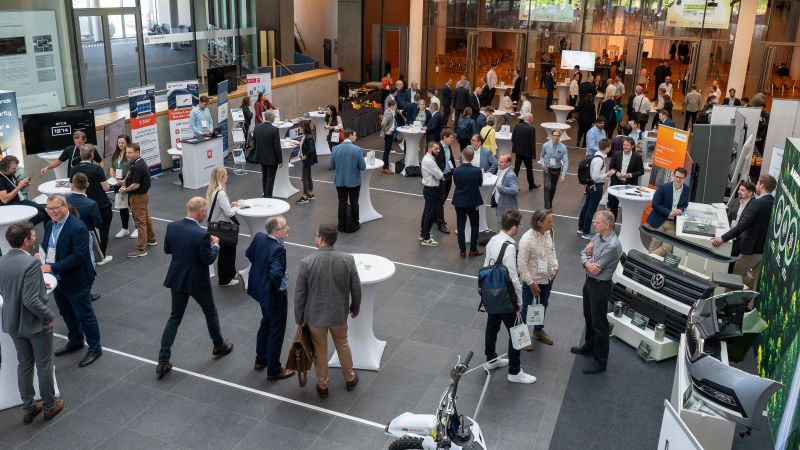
(201,155)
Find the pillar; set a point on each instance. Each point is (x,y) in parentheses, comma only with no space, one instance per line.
(415,53)
(741,45)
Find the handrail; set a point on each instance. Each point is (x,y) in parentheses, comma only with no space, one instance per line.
(300,35)
(274,73)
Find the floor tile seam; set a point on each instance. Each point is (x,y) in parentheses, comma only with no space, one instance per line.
(219,407)
(220,381)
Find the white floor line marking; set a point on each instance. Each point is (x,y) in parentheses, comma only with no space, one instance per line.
(431,269)
(245,388)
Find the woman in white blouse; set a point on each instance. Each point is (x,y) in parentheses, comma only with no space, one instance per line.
(221,209)
(537,266)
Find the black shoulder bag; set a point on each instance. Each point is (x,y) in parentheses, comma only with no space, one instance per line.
(227,232)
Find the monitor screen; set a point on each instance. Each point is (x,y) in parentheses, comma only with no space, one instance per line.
(51,131)
(572,58)
(221,73)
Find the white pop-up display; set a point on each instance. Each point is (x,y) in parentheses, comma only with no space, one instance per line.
(200,155)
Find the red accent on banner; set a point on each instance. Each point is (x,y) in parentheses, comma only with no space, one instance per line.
(178,114)
(141,122)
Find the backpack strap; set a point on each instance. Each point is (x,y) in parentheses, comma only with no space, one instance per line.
(502,252)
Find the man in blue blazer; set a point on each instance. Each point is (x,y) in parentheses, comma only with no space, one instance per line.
(468,180)
(434,129)
(267,284)
(482,158)
(192,250)
(347,160)
(87,208)
(669,201)
(66,244)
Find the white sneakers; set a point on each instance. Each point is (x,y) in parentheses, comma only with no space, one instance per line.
(105,260)
(135,234)
(122,233)
(233,282)
(522,378)
(429,242)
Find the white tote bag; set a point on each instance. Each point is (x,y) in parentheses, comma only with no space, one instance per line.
(520,336)
(535,314)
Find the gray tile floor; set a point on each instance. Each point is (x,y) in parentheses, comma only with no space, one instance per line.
(427,313)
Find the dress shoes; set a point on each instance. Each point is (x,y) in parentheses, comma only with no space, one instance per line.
(476,253)
(67,349)
(96,297)
(322,392)
(535,186)
(259,367)
(90,357)
(443,229)
(282,375)
(462,254)
(581,350)
(223,349)
(28,417)
(594,367)
(351,385)
(163,369)
(57,408)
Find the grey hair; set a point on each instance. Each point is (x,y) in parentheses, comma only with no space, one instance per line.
(607,216)
(87,151)
(269,116)
(273,223)
(58,197)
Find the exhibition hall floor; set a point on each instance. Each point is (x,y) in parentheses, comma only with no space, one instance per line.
(427,313)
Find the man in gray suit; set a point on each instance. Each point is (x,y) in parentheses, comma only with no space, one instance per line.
(506,188)
(28,321)
(328,287)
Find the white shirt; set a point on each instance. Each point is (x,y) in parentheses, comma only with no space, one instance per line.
(641,104)
(626,159)
(525,109)
(676,196)
(491,79)
(574,88)
(509,259)
(667,87)
(620,88)
(476,160)
(431,174)
(435,99)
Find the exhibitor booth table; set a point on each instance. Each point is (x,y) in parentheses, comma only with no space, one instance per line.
(366,212)
(201,154)
(283,187)
(11,214)
(632,200)
(321,136)
(254,212)
(60,171)
(366,349)
(9,390)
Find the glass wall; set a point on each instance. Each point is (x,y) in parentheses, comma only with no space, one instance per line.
(169,47)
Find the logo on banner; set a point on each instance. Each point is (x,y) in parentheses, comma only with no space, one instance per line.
(209,154)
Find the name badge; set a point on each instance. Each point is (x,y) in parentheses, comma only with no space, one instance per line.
(541,267)
(51,255)
(552,162)
(204,123)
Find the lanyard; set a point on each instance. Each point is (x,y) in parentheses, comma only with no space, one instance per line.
(54,235)
(13,183)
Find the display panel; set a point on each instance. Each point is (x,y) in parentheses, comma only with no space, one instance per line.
(547,10)
(572,58)
(46,132)
(699,14)
(221,73)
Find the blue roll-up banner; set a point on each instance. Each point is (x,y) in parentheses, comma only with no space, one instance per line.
(10,142)
(222,113)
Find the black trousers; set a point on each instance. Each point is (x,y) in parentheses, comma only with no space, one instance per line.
(124,217)
(596,295)
(348,195)
(528,161)
(689,116)
(226,264)
(493,322)
(269,339)
(446,114)
(550,182)
(444,190)
(106,215)
(431,195)
(179,302)
(461,222)
(583,128)
(268,179)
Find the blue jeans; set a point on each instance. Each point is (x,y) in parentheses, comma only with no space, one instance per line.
(179,302)
(269,339)
(594,192)
(527,299)
(78,313)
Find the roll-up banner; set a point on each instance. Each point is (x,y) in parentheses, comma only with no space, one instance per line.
(142,107)
(222,113)
(258,83)
(10,142)
(672,151)
(182,96)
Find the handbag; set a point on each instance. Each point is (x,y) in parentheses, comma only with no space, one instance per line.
(535,316)
(227,232)
(301,354)
(520,335)
(250,149)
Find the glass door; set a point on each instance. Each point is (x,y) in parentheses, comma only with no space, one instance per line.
(110,61)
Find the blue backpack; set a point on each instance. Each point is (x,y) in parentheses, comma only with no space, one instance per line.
(497,292)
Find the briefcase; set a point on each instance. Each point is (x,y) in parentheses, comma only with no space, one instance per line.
(301,354)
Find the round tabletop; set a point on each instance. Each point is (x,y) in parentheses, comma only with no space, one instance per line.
(50,156)
(60,186)
(489,179)
(562,84)
(555,125)
(373,268)
(502,87)
(503,136)
(562,107)
(317,114)
(284,123)
(289,143)
(175,152)
(377,163)
(499,112)
(16,213)
(405,129)
(262,207)
(632,192)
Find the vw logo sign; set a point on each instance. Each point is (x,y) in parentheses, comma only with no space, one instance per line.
(657,281)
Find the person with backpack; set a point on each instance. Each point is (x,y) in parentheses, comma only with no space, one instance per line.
(501,254)
(592,174)
(466,128)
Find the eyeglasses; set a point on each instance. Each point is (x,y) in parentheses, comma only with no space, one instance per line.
(54,208)
(680,177)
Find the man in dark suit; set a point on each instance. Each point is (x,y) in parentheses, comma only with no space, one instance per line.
(485,93)
(29,322)
(461,99)
(447,100)
(468,180)
(86,207)
(434,128)
(731,99)
(586,87)
(66,241)
(475,103)
(550,86)
(483,117)
(447,162)
(523,144)
(669,201)
(752,230)
(267,284)
(192,250)
(267,141)
(629,167)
